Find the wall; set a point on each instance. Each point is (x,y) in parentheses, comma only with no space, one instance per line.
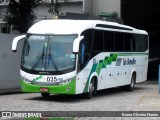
(42,10)
(76,7)
(9,63)
(2,11)
(88,6)
(99,6)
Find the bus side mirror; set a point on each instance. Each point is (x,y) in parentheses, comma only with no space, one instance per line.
(15,42)
(76,44)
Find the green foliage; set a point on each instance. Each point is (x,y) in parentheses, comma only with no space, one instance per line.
(20,14)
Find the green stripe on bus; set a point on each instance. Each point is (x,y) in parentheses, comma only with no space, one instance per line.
(115,57)
(105,61)
(94,66)
(98,67)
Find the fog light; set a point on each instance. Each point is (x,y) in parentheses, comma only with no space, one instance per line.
(68,88)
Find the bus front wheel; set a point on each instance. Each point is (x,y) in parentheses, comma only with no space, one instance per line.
(92,89)
(45,95)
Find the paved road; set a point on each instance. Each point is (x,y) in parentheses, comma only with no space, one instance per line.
(144,98)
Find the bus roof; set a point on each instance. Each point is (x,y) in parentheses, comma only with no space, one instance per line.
(78,26)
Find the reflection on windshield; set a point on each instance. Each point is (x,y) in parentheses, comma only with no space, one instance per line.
(48,53)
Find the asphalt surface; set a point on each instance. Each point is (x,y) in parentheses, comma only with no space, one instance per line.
(145,97)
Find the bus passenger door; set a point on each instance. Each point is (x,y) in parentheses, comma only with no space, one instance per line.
(101,79)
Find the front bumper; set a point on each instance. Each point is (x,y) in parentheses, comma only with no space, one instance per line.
(59,89)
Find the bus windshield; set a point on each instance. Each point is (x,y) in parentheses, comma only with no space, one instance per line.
(52,53)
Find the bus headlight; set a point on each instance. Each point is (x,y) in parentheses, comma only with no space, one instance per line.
(25,80)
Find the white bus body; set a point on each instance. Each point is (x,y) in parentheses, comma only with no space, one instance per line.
(103,55)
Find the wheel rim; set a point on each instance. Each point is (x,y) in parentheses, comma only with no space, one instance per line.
(91,88)
(132,82)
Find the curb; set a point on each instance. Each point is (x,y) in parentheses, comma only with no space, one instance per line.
(10,91)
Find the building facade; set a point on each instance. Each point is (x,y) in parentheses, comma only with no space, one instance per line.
(42,11)
(95,7)
(92,7)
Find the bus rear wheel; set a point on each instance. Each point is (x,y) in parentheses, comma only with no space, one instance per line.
(131,86)
(45,95)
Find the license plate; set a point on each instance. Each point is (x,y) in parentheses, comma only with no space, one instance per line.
(44,89)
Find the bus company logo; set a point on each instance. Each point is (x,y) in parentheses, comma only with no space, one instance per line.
(44,73)
(129,62)
(6,115)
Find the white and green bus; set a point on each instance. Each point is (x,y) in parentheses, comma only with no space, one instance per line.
(81,56)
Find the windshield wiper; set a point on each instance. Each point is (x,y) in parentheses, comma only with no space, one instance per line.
(38,60)
(51,58)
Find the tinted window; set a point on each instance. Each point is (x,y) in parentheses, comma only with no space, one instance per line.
(98,41)
(129,42)
(141,43)
(119,41)
(108,41)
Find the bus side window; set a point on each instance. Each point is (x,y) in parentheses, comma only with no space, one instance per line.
(108,41)
(141,43)
(98,41)
(119,41)
(145,40)
(129,42)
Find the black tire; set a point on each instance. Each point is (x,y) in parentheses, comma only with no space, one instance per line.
(92,89)
(45,95)
(131,86)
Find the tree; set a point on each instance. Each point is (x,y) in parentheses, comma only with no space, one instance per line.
(55,5)
(20,14)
